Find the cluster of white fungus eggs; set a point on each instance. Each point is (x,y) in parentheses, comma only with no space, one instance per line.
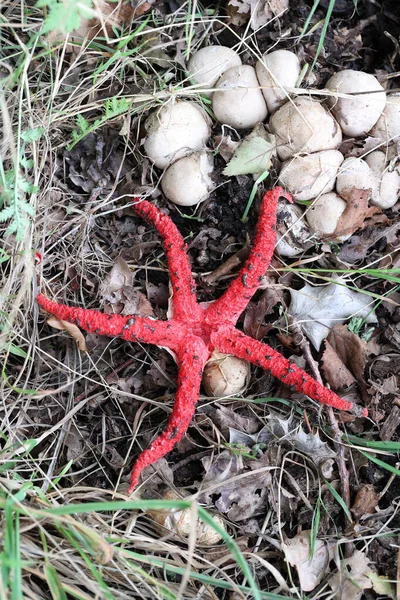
(307,131)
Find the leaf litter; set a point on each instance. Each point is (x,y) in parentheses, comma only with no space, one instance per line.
(254,438)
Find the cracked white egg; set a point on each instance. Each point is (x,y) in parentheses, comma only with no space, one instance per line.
(225,375)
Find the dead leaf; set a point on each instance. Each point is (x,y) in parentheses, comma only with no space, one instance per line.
(310,571)
(238,499)
(365,501)
(344,358)
(335,372)
(318,309)
(73,331)
(226,146)
(352,578)
(357,214)
(260,12)
(118,291)
(253,155)
(254,323)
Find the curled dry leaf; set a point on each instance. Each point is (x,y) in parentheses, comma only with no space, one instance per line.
(365,501)
(118,291)
(73,331)
(310,571)
(357,214)
(335,371)
(344,358)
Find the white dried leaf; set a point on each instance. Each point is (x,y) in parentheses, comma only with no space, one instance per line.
(318,309)
(310,571)
(352,578)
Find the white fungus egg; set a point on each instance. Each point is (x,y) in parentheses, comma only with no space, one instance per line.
(358,112)
(188,180)
(386,185)
(208,64)
(306,177)
(277,72)
(324,214)
(304,126)
(354,173)
(225,375)
(238,100)
(387,128)
(175,130)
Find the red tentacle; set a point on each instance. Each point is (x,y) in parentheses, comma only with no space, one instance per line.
(191,361)
(233,302)
(232,341)
(182,282)
(130,328)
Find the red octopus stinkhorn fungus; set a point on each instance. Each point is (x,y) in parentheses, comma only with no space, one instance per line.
(193,332)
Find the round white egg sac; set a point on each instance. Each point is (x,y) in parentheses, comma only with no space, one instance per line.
(225,375)
(357,113)
(304,126)
(324,214)
(208,64)
(175,130)
(387,128)
(354,173)
(238,100)
(386,188)
(291,231)
(188,181)
(306,177)
(277,72)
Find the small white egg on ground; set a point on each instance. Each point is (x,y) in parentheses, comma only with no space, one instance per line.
(357,113)
(387,128)
(188,180)
(225,375)
(386,187)
(354,173)
(277,72)
(324,214)
(306,177)
(175,130)
(182,523)
(291,231)
(208,64)
(238,100)
(304,126)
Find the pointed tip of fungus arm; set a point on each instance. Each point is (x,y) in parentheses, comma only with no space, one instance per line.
(191,361)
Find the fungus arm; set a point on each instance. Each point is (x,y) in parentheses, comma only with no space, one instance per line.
(235,299)
(182,282)
(232,341)
(130,328)
(191,361)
